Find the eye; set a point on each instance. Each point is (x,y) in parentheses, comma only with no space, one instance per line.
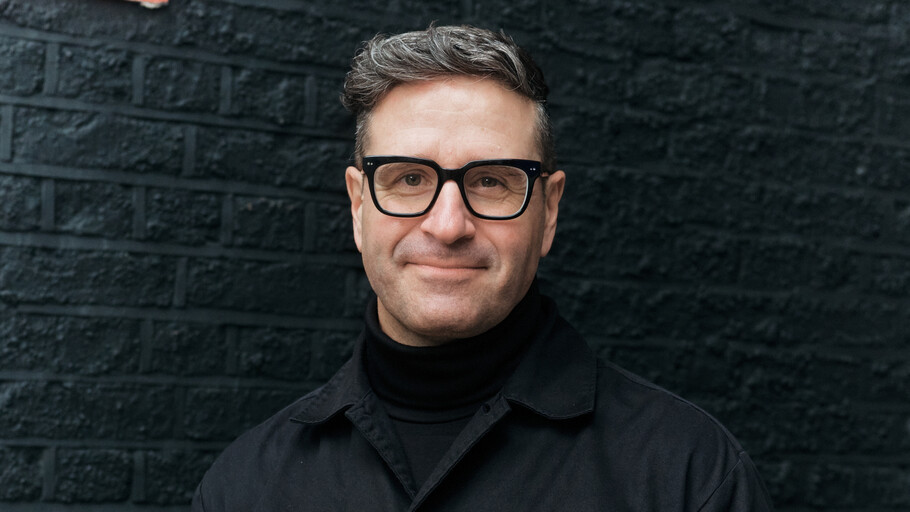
(489,181)
(412,180)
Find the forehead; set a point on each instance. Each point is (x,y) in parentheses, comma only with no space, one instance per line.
(453,120)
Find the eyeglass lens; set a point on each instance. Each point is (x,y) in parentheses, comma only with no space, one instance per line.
(492,190)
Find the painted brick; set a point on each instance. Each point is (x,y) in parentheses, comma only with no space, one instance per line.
(268,223)
(707,35)
(526,14)
(814,485)
(272,96)
(172,84)
(901,226)
(179,348)
(213,413)
(895,68)
(697,91)
(65,345)
(20,473)
(775,48)
(75,277)
(92,208)
(885,381)
(276,353)
(334,231)
(614,136)
(646,200)
(837,323)
(228,29)
(887,275)
(444,9)
(301,37)
(330,114)
(222,414)
(893,121)
(875,11)
(93,476)
(788,264)
(647,254)
(574,76)
(787,157)
(83,139)
(790,157)
(21,67)
(263,403)
(824,432)
(683,367)
(61,410)
(97,75)
(21,208)
(891,486)
(329,352)
(288,288)
(171,476)
(768,209)
(828,108)
(839,52)
(182,216)
(886,167)
(278,159)
(832,483)
(624,28)
(635,312)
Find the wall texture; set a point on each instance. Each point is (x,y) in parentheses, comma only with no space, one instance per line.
(176,260)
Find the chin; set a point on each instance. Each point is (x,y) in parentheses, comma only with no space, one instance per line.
(456,326)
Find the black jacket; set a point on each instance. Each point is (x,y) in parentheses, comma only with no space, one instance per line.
(567,432)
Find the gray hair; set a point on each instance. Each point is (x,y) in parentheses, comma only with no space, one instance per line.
(387,61)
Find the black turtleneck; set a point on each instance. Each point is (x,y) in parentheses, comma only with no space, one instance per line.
(430,393)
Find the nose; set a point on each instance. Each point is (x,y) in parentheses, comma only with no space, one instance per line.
(449,220)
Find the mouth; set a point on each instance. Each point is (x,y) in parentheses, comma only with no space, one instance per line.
(446,270)
(447,264)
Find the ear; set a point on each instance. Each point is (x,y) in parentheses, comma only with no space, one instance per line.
(354,180)
(555,184)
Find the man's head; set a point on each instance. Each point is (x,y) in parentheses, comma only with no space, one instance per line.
(450,96)
(387,61)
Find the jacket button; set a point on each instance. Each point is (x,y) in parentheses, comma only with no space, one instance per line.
(485,408)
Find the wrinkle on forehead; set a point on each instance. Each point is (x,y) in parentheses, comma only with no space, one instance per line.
(454,121)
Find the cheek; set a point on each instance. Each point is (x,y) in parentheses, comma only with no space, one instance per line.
(518,246)
(380,235)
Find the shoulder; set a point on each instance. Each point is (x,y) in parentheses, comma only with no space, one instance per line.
(627,392)
(670,439)
(245,467)
(668,421)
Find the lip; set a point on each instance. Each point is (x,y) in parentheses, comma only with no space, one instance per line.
(447,270)
(446,265)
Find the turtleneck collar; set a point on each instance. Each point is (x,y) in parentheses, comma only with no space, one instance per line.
(457,375)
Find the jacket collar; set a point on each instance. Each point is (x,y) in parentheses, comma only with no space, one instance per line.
(556,379)
(349,386)
(558,375)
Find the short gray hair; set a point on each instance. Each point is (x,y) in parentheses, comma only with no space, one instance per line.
(387,61)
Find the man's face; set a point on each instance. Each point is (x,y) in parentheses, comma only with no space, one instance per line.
(447,274)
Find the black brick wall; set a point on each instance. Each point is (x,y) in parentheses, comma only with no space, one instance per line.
(176,261)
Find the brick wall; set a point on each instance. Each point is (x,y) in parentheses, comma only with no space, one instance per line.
(176,261)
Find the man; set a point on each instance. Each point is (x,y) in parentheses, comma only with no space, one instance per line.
(467,390)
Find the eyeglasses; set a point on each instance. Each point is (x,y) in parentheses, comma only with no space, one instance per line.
(404,186)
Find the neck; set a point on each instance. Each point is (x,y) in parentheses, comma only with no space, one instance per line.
(455,374)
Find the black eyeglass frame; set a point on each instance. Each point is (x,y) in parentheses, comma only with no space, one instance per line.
(532,168)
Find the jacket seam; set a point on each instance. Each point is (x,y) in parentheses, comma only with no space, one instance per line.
(724,480)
